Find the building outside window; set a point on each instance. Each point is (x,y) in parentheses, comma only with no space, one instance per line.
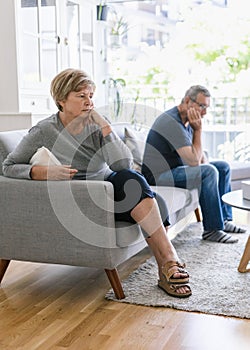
(171,45)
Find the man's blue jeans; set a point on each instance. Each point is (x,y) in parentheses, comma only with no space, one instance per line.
(212,181)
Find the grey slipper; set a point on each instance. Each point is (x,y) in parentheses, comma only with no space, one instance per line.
(218,236)
(229,226)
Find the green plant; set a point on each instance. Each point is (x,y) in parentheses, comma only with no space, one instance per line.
(118,25)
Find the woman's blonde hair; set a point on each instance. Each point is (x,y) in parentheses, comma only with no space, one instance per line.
(67,81)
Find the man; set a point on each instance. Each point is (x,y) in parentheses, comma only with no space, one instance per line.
(174,157)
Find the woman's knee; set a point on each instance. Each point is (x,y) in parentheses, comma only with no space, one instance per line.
(129,174)
(131,184)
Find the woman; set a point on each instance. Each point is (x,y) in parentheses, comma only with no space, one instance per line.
(88,148)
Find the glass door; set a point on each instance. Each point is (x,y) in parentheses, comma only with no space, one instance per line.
(72,40)
(87,38)
(79,36)
(39,41)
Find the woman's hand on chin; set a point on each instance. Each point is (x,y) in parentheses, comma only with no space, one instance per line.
(101,121)
(96,118)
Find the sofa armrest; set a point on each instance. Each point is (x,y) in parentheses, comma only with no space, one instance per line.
(83,209)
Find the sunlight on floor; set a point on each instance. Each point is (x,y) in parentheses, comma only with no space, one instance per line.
(212,335)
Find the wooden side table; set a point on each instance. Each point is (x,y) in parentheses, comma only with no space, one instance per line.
(235,199)
(245,258)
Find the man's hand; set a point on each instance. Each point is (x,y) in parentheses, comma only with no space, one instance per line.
(194,118)
(55,172)
(192,155)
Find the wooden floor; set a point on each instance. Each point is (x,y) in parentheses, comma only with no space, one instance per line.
(61,307)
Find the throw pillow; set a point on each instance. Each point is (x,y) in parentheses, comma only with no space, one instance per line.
(43,156)
(136,146)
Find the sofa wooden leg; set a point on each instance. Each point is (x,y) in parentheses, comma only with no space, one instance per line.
(3,267)
(115,282)
(245,258)
(197,214)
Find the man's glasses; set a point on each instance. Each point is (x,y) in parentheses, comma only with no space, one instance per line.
(201,105)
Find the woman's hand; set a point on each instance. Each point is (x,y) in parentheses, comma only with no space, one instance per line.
(55,172)
(96,118)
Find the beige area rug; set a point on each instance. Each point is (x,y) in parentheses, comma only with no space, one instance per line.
(218,288)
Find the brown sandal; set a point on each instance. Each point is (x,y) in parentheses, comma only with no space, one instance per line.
(169,270)
(172,289)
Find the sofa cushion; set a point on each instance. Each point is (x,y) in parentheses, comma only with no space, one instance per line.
(176,198)
(8,142)
(136,146)
(240,170)
(134,136)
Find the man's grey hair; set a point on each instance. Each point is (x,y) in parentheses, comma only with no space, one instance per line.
(194,90)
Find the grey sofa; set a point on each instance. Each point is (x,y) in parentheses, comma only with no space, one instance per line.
(72,222)
(239,172)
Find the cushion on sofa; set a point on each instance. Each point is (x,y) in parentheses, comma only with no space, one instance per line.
(8,141)
(136,146)
(240,170)
(134,136)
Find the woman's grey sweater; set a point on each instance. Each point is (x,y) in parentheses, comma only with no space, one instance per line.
(94,156)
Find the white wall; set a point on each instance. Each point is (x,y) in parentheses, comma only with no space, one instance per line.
(9,100)
(10,118)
